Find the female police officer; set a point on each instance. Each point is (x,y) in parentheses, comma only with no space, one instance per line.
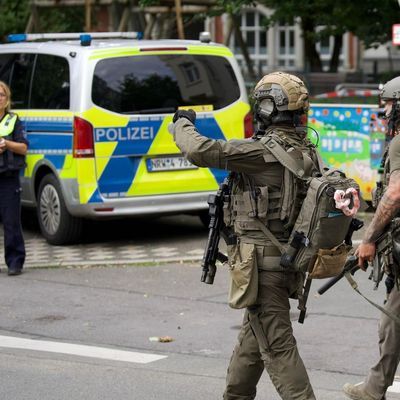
(13,148)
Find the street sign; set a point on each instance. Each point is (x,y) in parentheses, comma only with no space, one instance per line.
(396,34)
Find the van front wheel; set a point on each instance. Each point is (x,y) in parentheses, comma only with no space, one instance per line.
(57,225)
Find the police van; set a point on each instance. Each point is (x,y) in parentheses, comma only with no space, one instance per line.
(96,108)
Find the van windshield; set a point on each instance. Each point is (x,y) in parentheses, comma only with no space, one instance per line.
(156,84)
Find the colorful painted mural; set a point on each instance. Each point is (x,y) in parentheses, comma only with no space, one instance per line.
(351,138)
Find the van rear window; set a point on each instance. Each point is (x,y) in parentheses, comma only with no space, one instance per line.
(150,84)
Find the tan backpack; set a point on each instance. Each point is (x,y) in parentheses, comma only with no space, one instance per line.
(317,242)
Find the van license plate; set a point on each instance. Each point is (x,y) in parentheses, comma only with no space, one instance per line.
(168,164)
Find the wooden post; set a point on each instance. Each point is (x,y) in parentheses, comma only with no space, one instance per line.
(123,24)
(33,21)
(88,19)
(229,31)
(149,26)
(179,22)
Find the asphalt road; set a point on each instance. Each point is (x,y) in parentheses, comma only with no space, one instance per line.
(88,331)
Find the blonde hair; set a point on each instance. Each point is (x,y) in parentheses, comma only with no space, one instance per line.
(7,91)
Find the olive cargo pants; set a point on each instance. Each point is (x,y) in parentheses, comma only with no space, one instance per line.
(266,341)
(382,374)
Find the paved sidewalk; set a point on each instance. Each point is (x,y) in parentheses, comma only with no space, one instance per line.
(41,254)
(122,242)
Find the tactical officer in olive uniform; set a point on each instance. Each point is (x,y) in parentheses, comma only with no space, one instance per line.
(381,376)
(266,338)
(13,147)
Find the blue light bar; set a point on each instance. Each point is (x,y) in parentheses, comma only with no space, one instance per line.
(16,37)
(84,37)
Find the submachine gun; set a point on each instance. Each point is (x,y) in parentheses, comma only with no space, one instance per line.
(217,228)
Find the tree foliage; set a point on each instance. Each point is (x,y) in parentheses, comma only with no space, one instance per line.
(14,16)
(370,20)
(63,19)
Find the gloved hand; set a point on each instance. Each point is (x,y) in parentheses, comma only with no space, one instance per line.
(188,114)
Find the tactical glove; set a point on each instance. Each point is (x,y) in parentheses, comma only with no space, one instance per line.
(188,114)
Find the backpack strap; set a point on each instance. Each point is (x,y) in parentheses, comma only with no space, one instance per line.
(320,162)
(331,171)
(298,168)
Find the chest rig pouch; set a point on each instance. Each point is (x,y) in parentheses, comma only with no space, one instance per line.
(277,210)
(383,178)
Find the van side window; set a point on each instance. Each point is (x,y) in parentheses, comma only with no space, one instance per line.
(20,79)
(6,62)
(50,84)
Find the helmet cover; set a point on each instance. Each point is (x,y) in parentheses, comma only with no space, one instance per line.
(288,92)
(391,89)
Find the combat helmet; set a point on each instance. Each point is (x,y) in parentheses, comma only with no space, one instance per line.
(391,91)
(280,97)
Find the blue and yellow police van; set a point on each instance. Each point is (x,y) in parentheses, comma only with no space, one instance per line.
(96,108)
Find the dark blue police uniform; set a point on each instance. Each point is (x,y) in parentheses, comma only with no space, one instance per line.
(10,196)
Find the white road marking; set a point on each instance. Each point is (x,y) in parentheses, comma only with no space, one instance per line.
(78,350)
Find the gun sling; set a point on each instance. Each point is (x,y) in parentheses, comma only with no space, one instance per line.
(354,285)
(257,329)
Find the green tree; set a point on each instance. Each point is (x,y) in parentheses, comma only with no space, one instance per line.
(14,16)
(62,19)
(370,20)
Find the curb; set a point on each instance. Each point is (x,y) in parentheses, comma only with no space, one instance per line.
(111,263)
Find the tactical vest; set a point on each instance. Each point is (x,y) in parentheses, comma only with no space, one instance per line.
(383,178)
(277,209)
(10,161)
(388,250)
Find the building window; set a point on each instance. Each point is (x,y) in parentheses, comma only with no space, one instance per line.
(286,46)
(191,72)
(255,35)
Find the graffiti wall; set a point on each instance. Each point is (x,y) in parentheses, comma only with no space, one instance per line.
(350,138)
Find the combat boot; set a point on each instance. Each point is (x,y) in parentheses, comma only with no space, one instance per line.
(357,392)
